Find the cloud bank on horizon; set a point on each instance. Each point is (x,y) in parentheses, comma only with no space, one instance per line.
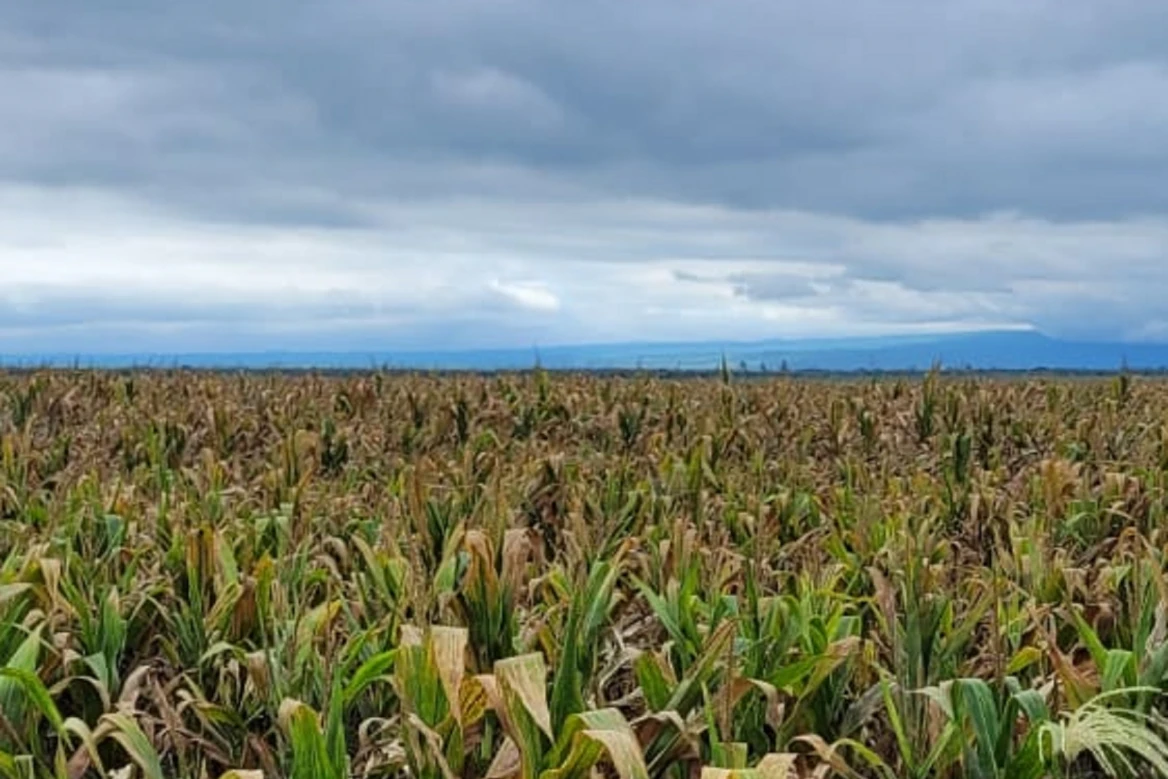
(250,174)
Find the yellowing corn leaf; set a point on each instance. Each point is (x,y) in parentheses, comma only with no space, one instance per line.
(411,635)
(774,704)
(488,686)
(588,738)
(885,596)
(132,688)
(86,754)
(316,622)
(449,647)
(523,708)
(727,773)
(517,548)
(1023,658)
(435,752)
(590,746)
(652,725)
(125,730)
(1079,686)
(473,700)
(830,755)
(10,591)
(289,709)
(777,766)
(523,682)
(709,772)
(259,672)
(482,563)
(772,766)
(836,654)
(507,762)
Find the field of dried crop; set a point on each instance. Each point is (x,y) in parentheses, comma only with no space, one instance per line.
(554,577)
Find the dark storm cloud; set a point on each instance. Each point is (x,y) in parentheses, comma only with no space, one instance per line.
(295,111)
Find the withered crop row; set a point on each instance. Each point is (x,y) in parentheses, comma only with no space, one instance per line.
(557,576)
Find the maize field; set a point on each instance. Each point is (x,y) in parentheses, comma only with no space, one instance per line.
(540,576)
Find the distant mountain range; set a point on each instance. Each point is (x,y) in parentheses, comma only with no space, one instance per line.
(1009,351)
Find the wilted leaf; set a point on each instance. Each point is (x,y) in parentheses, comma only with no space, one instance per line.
(124,730)
(450,656)
(522,683)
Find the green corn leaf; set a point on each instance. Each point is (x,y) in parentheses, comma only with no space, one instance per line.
(373,669)
(704,671)
(1118,670)
(10,768)
(22,663)
(587,615)
(976,701)
(124,730)
(33,690)
(894,719)
(311,758)
(1033,705)
(417,680)
(650,671)
(1090,639)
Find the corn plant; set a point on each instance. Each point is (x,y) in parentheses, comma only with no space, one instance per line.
(215,575)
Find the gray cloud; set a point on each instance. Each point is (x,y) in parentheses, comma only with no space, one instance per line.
(582,171)
(563,272)
(888,109)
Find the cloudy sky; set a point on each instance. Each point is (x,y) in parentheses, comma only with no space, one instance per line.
(247,174)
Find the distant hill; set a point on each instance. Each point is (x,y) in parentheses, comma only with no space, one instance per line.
(1011,351)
